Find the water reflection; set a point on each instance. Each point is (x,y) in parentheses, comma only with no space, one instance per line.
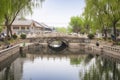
(44,64)
(10,69)
(75,61)
(102,69)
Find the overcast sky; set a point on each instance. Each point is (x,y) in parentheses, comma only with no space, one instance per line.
(57,13)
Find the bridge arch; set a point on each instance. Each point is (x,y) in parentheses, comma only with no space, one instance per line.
(57,44)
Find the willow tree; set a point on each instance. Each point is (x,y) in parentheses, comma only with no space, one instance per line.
(113,12)
(76,23)
(2,10)
(103,13)
(9,10)
(87,17)
(93,15)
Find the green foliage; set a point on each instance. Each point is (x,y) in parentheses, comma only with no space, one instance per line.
(69,29)
(14,36)
(90,36)
(23,36)
(102,14)
(61,29)
(75,61)
(10,9)
(118,43)
(76,23)
(1,28)
(97,70)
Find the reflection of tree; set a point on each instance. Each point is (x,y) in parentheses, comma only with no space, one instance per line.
(88,58)
(8,74)
(75,61)
(11,70)
(102,69)
(23,54)
(92,74)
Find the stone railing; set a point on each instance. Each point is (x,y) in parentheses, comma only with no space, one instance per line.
(112,48)
(109,49)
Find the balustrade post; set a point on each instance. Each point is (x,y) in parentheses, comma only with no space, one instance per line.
(102,50)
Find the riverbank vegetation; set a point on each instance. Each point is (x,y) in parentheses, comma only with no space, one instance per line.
(99,16)
(10,9)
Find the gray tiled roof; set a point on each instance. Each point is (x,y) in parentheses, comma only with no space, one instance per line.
(22,22)
(46,26)
(38,24)
(28,23)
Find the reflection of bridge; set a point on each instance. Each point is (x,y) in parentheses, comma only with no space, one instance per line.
(49,54)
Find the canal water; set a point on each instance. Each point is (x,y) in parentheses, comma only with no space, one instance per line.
(70,64)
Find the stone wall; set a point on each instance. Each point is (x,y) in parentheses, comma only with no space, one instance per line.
(4,54)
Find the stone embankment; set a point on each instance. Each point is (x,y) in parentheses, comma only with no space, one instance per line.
(4,54)
(11,50)
(27,46)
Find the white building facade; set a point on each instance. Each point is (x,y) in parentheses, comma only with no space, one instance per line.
(28,27)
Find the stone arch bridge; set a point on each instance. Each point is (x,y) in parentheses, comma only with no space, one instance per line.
(65,39)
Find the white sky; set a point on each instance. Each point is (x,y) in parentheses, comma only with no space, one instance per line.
(57,13)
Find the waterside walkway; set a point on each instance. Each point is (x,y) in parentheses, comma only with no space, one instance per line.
(104,50)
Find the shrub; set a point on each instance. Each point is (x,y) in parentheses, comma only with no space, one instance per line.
(118,43)
(14,36)
(23,36)
(90,36)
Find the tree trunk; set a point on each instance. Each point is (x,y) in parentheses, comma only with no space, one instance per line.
(87,29)
(7,27)
(7,32)
(105,32)
(10,30)
(114,30)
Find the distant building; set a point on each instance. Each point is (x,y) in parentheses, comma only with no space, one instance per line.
(46,28)
(29,27)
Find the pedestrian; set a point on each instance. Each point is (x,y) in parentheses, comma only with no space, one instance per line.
(113,37)
(97,43)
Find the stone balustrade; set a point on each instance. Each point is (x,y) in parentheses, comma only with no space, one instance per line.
(112,48)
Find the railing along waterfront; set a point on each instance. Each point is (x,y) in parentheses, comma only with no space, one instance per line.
(112,48)
(9,51)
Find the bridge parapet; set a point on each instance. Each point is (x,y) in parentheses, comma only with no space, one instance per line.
(56,34)
(67,39)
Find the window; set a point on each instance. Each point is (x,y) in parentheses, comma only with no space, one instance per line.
(23,28)
(15,27)
(27,27)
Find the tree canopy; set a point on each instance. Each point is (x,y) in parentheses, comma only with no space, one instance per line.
(9,10)
(103,14)
(76,23)
(61,29)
